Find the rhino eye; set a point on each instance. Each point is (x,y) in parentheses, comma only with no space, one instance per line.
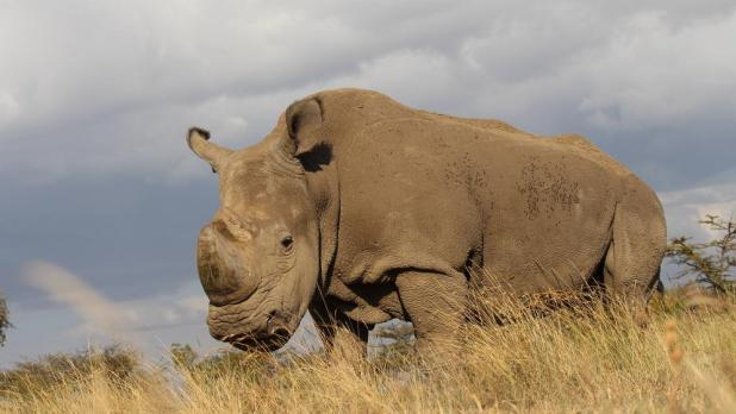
(287,243)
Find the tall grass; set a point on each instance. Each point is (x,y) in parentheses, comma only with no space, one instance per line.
(587,358)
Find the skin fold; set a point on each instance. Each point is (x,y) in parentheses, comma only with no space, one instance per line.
(360,209)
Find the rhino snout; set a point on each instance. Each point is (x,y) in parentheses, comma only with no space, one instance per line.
(266,333)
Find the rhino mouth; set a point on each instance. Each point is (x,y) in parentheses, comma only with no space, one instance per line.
(274,335)
(249,343)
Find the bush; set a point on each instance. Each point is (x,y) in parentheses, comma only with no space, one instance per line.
(4,320)
(226,362)
(710,263)
(116,363)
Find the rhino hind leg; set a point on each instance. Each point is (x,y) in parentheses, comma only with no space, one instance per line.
(632,263)
(620,280)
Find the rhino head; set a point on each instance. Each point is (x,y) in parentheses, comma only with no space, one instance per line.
(258,259)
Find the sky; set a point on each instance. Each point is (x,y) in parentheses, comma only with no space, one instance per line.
(101,200)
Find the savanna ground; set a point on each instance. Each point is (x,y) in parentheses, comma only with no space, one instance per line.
(588,358)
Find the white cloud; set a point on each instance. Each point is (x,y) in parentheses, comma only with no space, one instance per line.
(129,320)
(650,73)
(98,312)
(107,87)
(9,107)
(685,208)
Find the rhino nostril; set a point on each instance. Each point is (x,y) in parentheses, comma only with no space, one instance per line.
(280,331)
(220,337)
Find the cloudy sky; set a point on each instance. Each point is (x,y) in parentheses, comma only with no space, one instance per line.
(101,201)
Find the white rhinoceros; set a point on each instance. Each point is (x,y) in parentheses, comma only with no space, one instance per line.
(361,210)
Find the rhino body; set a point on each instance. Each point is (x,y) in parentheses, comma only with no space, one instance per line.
(360,209)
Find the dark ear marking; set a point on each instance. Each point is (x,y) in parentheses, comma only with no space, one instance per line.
(313,160)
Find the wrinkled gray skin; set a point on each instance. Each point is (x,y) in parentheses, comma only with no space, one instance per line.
(360,209)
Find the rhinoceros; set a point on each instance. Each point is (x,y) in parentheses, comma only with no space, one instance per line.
(361,210)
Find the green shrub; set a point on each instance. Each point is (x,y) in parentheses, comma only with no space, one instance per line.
(227,362)
(4,320)
(710,263)
(116,363)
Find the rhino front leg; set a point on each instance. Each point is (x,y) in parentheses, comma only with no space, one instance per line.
(435,304)
(336,328)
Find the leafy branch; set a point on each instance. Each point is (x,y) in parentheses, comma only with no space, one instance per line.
(4,320)
(712,262)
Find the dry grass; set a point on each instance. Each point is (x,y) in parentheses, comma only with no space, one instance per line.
(597,360)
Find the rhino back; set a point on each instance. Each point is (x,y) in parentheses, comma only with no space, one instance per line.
(418,188)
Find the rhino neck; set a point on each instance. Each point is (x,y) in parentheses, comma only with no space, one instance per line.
(319,168)
(324,185)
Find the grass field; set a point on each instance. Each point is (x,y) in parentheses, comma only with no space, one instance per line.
(571,360)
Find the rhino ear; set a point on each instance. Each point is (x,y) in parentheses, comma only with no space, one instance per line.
(303,119)
(198,140)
